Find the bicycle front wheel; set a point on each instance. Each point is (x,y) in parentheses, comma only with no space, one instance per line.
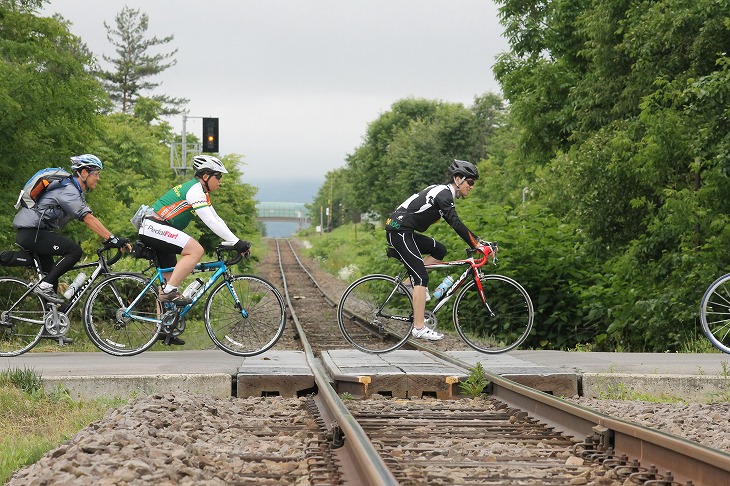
(375,314)
(500,325)
(245,315)
(104,320)
(21,321)
(715,313)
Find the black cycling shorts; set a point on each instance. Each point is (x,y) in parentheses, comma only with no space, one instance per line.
(410,246)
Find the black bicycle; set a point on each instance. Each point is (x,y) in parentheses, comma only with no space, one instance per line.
(26,317)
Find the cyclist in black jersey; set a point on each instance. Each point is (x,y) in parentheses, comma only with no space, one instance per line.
(417,213)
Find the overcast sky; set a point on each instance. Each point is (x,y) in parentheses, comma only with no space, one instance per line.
(295,83)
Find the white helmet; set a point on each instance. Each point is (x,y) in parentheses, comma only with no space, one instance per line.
(206,163)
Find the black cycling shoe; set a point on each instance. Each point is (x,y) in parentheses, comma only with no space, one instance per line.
(169,340)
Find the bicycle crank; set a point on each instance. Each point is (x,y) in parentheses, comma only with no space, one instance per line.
(169,320)
(57,324)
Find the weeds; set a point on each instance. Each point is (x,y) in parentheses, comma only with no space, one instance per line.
(724,395)
(475,383)
(26,379)
(34,420)
(620,391)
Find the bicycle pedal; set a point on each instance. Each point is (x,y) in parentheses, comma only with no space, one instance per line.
(62,340)
(169,340)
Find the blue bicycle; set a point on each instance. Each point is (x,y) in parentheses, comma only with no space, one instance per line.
(244,314)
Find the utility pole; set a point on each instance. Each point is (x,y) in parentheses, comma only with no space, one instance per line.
(181,166)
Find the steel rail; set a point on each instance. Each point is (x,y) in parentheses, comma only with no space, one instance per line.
(363,456)
(326,297)
(687,460)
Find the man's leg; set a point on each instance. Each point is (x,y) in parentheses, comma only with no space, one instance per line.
(47,244)
(191,255)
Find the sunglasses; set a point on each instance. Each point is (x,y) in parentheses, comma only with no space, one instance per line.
(470,182)
(217,175)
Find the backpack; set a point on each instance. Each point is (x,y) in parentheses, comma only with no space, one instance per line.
(38,184)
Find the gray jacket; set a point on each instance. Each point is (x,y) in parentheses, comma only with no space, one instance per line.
(60,203)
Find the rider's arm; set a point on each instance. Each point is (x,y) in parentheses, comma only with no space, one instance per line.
(200,202)
(211,219)
(216,224)
(96,226)
(445,203)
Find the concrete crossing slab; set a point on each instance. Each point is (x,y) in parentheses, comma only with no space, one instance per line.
(280,373)
(400,374)
(548,379)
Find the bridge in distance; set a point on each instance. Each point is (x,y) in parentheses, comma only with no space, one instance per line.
(283,212)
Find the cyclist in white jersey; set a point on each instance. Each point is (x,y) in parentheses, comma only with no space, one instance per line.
(176,208)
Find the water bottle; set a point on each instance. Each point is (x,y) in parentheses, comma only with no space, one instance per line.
(443,287)
(191,289)
(75,285)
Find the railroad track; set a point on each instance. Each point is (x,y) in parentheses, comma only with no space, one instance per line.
(515,436)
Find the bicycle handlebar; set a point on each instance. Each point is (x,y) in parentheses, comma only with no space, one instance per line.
(112,260)
(486,249)
(219,250)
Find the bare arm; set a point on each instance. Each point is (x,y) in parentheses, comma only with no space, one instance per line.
(96,226)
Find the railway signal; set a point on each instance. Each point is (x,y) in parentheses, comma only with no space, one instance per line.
(210,134)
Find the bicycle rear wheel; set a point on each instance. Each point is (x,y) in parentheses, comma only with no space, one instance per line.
(375,314)
(245,315)
(503,324)
(104,319)
(715,313)
(22,326)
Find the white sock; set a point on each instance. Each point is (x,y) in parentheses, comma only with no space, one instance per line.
(169,288)
(45,286)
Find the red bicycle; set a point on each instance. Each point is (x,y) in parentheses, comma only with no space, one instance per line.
(492,313)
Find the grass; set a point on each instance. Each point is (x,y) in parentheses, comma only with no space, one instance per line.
(621,391)
(723,395)
(34,421)
(476,382)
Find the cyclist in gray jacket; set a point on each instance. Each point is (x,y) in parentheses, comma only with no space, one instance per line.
(61,202)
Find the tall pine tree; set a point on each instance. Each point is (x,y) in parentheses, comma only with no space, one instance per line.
(133,67)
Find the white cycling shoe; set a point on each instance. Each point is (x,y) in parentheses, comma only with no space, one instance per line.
(426,333)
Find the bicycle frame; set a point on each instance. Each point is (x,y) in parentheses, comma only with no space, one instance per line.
(474,266)
(102,265)
(473,270)
(219,269)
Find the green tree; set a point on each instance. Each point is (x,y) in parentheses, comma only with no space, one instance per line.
(134,65)
(49,102)
(409,147)
(334,197)
(619,108)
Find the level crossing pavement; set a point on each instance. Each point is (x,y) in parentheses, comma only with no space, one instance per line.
(400,373)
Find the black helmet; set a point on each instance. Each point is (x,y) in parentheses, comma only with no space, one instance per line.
(464,169)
